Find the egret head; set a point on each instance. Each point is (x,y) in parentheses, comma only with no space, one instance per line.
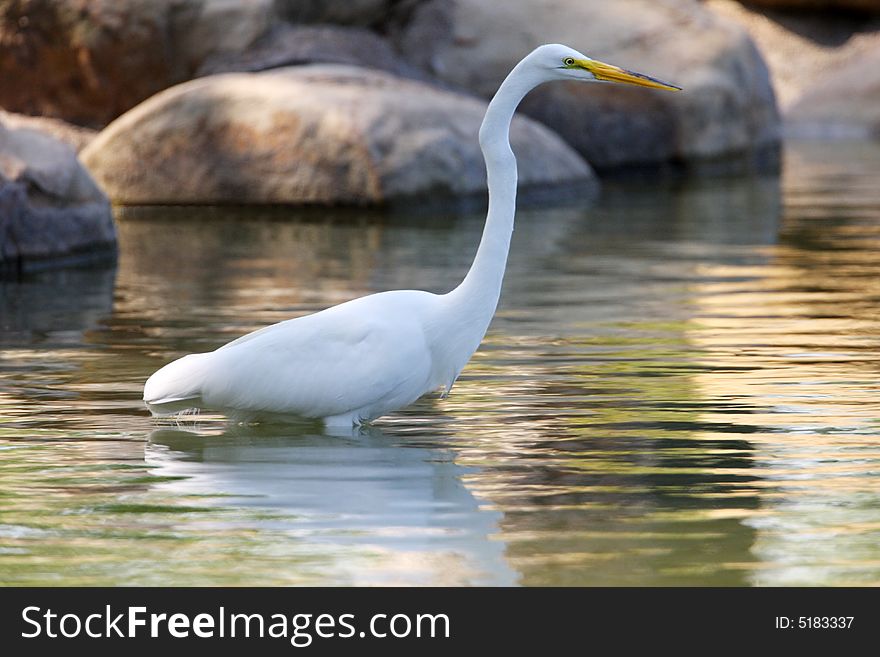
(559,62)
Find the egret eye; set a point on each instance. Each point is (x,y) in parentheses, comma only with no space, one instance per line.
(568,61)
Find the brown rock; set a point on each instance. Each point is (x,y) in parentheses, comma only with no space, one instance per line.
(87,61)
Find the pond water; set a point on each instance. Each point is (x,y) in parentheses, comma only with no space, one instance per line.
(680,387)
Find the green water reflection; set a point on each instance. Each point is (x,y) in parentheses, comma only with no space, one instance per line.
(680,388)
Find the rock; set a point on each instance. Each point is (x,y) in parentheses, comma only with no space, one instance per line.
(217,27)
(616,128)
(288,45)
(418,32)
(49,205)
(341,12)
(824,67)
(872,6)
(727,108)
(73,135)
(311,134)
(47,166)
(87,61)
(845,104)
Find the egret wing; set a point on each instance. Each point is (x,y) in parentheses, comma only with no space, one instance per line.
(342,359)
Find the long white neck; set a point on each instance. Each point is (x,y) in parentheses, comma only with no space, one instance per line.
(473,302)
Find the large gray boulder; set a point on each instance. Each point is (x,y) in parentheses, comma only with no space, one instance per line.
(727,108)
(321,134)
(50,208)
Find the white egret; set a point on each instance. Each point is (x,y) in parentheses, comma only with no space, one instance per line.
(364,358)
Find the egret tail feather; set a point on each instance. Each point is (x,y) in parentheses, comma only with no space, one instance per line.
(177,386)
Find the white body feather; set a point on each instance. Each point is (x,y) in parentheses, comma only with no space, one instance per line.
(347,364)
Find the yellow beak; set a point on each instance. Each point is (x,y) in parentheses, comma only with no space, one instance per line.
(607,72)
